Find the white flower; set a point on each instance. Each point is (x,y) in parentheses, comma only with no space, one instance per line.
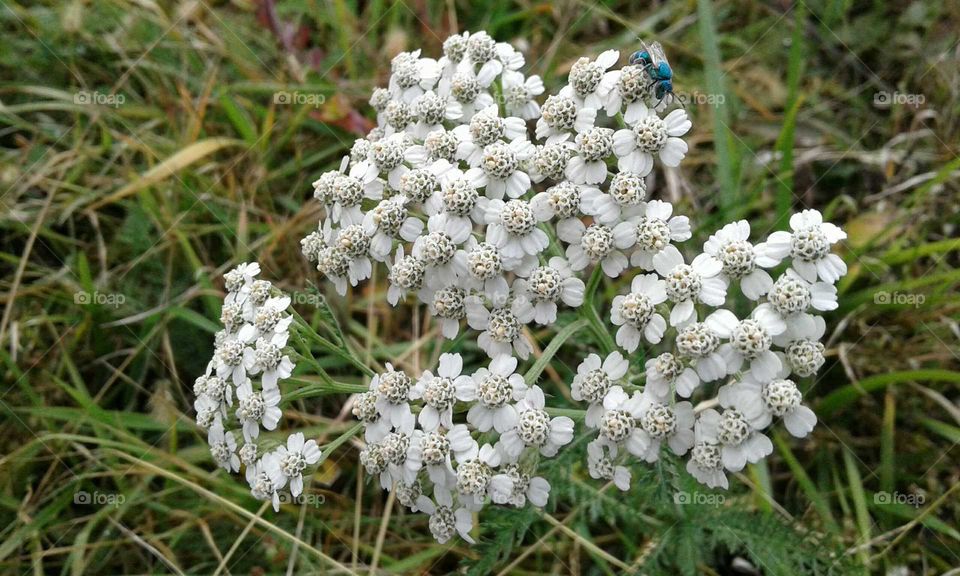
(411,495)
(802,349)
(348,190)
(323,186)
(624,198)
(454,50)
(539,293)
(474,477)
(270,321)
(394,449)
(449,305)
(661,422)
(388,221)
(492,57)
(470,90)
(440,144)
(502,331)
(216,389)
(651,135)
(238,281)
(420,186)
(393,396)
(375,464)
(550,161)
(619,423)
(223,448)
(234,315)
(597,244)
(493,391)
(209,412)
(749,341)
(439,393)
(535,429)
(594,378)
(687,284)
(386,157)
(268,358)
(739,441)
(445,520)
(514,486)
(361,147)
(584,80)
(560,115)
(397,116)
(762,399)
(791,296)
(635,313)
(257,408)
(486,128)
(667,370)
(266,480)
(500,169)
(698,342)
(706,460)
(520,95)
(412,76)
(438,250)
(809,247)
(354,243)
(433,450)
(655,229)
(459,199)
(589,162)
(602,466)
(630,85)
(406,274)
(741,260)
(562,201)
(334,264)
(364,409)
(431,110)
(228,357)
(291,460)
(486,267)
(512,227)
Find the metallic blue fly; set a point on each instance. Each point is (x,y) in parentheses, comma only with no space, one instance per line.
(652,59)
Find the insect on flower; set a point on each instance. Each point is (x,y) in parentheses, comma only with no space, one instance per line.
(652,59)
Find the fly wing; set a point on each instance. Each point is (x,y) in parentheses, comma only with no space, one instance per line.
(656,52)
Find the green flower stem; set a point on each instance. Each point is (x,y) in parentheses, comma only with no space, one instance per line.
(341,351)
(310,388)
(572,413)
(538,367)
(339,441)
(589,312)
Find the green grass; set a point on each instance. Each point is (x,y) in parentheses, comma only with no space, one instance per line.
(145,203)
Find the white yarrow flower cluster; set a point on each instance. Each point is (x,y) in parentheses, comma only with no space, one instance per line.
(492,225)
(239,395)
(491,202)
